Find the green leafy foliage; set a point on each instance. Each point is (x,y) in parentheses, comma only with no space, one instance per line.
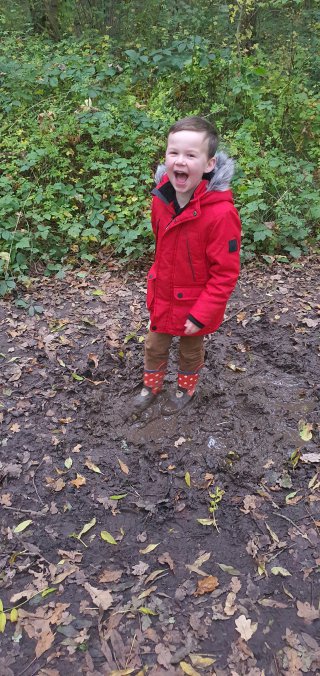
(84,121)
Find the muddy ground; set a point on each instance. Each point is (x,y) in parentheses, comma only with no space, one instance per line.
(158,592)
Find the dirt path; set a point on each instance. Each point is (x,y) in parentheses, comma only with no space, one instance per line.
(164,594)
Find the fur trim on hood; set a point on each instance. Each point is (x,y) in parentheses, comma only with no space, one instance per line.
(219,178)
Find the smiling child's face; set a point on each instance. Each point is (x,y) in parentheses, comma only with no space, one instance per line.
(186,161)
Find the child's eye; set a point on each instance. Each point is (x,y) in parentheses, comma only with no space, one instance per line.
(190,155)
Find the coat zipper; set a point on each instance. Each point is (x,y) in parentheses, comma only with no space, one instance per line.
(190,261)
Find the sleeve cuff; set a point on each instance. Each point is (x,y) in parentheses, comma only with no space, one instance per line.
(196,322)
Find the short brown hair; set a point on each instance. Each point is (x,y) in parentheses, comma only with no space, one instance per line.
(195,123)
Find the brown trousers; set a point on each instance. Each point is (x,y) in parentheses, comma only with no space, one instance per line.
(157,345)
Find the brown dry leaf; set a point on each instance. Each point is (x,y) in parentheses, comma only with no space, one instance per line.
(206,585)
(102,599)
(166,558)
(164,655)
(79,481)
(77,448)
(124,468)
(56,484)
(147,592)
(25,594)
(241,316)
(74,556)
(5,499)
(237,369)
(15,428)
(110,576)
(195,566)
(245,627)
(235,585)
(249,503)
(93,358)
(65,573)
(272,603)
(308,612)
(45,641)
(140,568)
(230,607)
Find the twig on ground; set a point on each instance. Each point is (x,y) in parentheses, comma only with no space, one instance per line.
(25,511)
(304,535)
(244,307)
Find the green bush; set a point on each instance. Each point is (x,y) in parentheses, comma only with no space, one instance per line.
(83,129)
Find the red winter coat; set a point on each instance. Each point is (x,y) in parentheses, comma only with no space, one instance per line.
(197,262)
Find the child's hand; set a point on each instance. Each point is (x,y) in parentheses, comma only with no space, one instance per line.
(190,328)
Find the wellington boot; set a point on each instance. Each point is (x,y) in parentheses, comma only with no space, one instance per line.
(176,402)
(143,400)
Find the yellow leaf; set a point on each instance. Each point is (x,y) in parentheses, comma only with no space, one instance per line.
(68,463)
(188,669)
(92,466)
(124,468)
(305,430)
(278,570)
(146,611)
(14,615)
(187,479)
(22,526)
(206,522)
(87,527)
(107,537)
(202,662)
(149,549)
(3,620)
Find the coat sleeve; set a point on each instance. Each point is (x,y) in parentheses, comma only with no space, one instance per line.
(223,259)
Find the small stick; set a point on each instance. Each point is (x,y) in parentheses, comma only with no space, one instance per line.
(25,511)
(257,304)
(304,535)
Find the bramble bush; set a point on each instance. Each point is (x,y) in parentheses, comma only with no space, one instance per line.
(83,127)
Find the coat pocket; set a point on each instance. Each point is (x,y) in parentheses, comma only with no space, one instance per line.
(184,299)
(151,284)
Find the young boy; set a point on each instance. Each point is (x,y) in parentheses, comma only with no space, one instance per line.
(197,232)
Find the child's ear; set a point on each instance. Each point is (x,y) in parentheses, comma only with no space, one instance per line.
(211,164)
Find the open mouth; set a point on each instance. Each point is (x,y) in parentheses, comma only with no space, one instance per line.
(181,177)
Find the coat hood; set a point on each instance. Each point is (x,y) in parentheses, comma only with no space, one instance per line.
(219,178)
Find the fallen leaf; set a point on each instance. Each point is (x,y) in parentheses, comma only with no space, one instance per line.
(310,457)
(195,566)
(188,669)
(92,466)
(102,599)
(278,570)
(140,568)
(146,611)
(201,662)
(110,576)
(273,534)
(308,612)
(249,503)
(149,548)
(147,592)
(229,569)
(56,484)
(166,558)
(233,367)
(153,575)
(79,481)
(206,585)
(305,430)
(179,442)
(22,526)
(15,428)
(187,479)
(77,448)
(124,468)
(68,463)
(245,627)
(5,499)
(230,608)
(107,537)
(87,527)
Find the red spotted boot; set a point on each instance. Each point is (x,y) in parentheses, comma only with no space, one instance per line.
(187,383)
(152,385)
